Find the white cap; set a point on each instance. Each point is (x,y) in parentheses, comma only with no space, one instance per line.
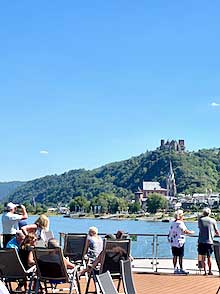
(11,206)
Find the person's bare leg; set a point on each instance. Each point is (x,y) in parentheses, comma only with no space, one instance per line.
(174,261)
(204,264)
(210,264)
(181,262)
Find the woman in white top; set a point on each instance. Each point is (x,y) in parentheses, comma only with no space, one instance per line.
(176,238)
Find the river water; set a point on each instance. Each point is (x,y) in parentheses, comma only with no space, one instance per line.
(141,247)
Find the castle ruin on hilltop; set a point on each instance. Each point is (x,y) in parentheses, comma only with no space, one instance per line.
(173,145)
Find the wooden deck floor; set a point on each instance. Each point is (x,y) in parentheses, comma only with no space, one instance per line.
(172,284)
(153,284)
(169,284)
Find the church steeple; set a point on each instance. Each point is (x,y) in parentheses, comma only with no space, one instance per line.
(171,184)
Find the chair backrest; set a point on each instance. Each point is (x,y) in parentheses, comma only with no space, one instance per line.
(74,246)
(11,265)
(106,283)
(50,264)
(217,253)
(127,278)
(3,289)
(114,251)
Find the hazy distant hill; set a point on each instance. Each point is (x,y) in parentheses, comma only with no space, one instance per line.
(194,172)
(7,188)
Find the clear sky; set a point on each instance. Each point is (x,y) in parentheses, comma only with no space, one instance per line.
(85,83)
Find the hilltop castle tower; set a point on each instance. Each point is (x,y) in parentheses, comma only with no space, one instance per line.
(174,145)
(171,183)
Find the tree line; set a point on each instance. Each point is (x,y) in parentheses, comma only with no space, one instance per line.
(194,172)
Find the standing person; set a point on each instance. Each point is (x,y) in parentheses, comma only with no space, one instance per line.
(207,231)
(176,238)
(10,221)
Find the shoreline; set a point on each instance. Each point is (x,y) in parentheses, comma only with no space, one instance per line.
(133,217)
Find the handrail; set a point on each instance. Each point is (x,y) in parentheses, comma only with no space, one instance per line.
(158,243)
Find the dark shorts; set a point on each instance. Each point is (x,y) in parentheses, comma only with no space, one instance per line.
(178,251)
(205,249)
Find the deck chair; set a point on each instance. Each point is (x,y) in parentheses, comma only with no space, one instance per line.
(114,251)
(127,278)
(51,271)
(3,289)
(217,257)
(12,270)
(106,284)
(74,247)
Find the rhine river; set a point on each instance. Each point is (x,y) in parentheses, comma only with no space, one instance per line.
(141,247)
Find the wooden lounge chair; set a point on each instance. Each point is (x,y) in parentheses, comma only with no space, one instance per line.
(12,270)
(51,271)
(127,278)
(106,284)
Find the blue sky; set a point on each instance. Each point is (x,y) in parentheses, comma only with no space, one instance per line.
(85,83)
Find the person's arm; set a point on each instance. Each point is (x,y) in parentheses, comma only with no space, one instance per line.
(29,228)
(216,229)
(31,260)
(186,231)
(189,232)
(24,212)
(68,264)
(86,246)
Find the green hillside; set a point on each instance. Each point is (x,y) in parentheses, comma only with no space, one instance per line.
(7,188)
(194,172)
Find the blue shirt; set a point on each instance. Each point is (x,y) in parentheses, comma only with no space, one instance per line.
(13,243)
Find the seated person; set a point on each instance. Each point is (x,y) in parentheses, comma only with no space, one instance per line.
(16,241)
(115,254)
(26,250)
(39,226)
(94,244)
(121,235)
(26,256)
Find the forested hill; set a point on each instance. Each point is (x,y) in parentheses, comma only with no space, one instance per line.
(194,172)
(7,188)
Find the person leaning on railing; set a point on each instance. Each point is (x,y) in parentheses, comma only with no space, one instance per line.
(176,237)
(207,231)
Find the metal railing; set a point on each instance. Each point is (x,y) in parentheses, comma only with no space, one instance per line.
(155,253)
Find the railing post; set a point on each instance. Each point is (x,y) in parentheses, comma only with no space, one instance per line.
(156,257)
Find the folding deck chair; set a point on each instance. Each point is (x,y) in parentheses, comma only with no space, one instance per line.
(114,251)
(51,271)
(106,284)
(74,247)
(217,257)
(127,278)
(12,270)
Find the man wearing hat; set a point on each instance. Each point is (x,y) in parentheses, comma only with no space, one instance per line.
(10,221)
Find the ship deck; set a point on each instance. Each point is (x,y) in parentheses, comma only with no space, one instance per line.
(172,284)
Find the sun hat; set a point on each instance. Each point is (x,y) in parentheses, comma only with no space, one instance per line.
(11,206)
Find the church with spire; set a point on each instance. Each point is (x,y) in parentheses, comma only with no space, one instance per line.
(171,183)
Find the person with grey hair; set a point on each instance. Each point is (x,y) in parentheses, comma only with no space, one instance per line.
(176,237)
(207,231)
(94,244)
